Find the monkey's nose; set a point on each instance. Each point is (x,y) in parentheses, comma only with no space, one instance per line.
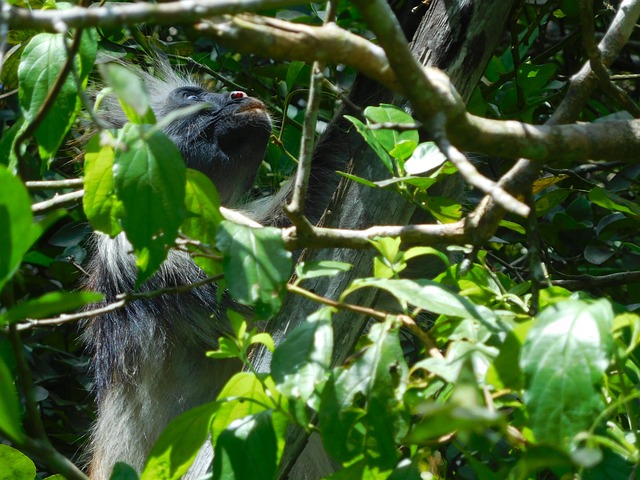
(237,94)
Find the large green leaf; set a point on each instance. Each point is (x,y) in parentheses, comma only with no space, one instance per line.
(564,357)
(40,64)
(177,447)
(15,224)
(428,295)
(301,362)
(150,178)
(242,395)
(15,465)
(368,392)
(256,266)
(247,449)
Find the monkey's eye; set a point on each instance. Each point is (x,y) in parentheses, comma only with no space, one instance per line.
(193,97)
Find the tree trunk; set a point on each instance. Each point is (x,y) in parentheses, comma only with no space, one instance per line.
(457,36)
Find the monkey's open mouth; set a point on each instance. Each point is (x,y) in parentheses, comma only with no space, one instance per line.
(251,106)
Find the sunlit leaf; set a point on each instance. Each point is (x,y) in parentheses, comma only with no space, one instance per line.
(301,362)
(563,359)
(256,266)
(150,178)
(177,447)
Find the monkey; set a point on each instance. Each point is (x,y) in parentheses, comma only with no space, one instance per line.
(148,358)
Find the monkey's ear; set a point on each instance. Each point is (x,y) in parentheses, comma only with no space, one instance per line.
(131,91)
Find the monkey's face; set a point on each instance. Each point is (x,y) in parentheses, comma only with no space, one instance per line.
(226,140)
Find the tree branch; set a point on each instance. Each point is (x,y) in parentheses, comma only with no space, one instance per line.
(119,15)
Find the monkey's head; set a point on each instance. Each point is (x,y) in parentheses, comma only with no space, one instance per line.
(226,140)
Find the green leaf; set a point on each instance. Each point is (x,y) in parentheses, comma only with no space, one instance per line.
(613,202)
(10,416)
(49,304)
(178,445)
(563,359)
(392,139)
(8,156)
(150,179)
(203,216)
(227,348)
(264,339)
(122,471)
(15,224)
(369,392)
(131,92)
(247,449)
(15,465)
(256,266)
(41,62)
(242,395)
(292,74)
(323,268)
(550,199)
(427,295)
(301,362)
(100,202)
(421,251)
(505,371)
(373,142)
(425,160)
(87,52)
(360,180)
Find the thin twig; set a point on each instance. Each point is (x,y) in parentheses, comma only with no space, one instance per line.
(57,201)
(406,320)
(54,184)
(578,282)
(471,174)
(121,301)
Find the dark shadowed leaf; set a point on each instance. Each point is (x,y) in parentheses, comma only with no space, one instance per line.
(122,471)
(10,416)
(15,224)
(247,449)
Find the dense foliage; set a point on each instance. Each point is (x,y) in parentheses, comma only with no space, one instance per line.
(517,358)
